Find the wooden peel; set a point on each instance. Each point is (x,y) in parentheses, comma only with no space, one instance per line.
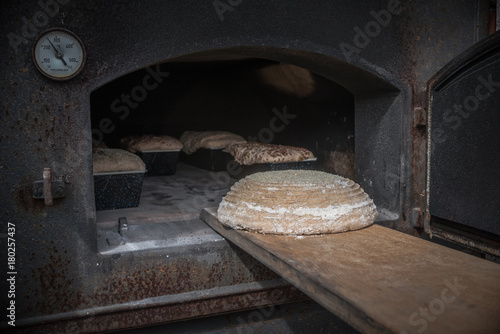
(382,281)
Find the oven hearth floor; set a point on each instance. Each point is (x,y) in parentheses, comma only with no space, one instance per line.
(178,197)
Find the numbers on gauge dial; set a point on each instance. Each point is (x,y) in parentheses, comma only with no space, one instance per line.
(59,54)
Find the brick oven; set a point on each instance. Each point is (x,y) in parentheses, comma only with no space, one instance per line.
(387,93)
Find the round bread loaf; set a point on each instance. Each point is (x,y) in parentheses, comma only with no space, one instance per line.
(296,202)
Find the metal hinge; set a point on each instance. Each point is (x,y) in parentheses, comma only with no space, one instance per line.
(48,189)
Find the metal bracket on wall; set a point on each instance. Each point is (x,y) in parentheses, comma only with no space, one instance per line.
(416,217)
(48,189)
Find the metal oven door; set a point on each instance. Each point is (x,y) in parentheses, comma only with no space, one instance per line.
(463,181)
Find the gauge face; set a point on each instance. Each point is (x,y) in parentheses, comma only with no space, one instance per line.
(59,54)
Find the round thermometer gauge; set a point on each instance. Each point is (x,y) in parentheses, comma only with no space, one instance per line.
(59,54)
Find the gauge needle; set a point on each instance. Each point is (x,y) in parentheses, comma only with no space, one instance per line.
(59,55)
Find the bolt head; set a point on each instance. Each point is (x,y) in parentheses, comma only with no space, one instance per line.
(59,191)
(38,192)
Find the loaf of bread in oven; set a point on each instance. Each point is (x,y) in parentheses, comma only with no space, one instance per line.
(146,143)
(193,140)
(296,202)
(108,160)
(254,153)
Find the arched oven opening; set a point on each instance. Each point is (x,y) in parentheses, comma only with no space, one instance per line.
(338,112)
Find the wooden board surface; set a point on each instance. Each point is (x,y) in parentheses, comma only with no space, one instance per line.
(382,281)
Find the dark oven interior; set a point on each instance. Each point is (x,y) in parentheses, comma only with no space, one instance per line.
(269,101)
(262,100)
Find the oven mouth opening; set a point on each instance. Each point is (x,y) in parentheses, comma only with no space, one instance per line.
(261,99)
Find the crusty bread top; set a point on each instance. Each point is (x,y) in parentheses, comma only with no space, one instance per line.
(193,140)
(254,153)
(107,160)
(150,143)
